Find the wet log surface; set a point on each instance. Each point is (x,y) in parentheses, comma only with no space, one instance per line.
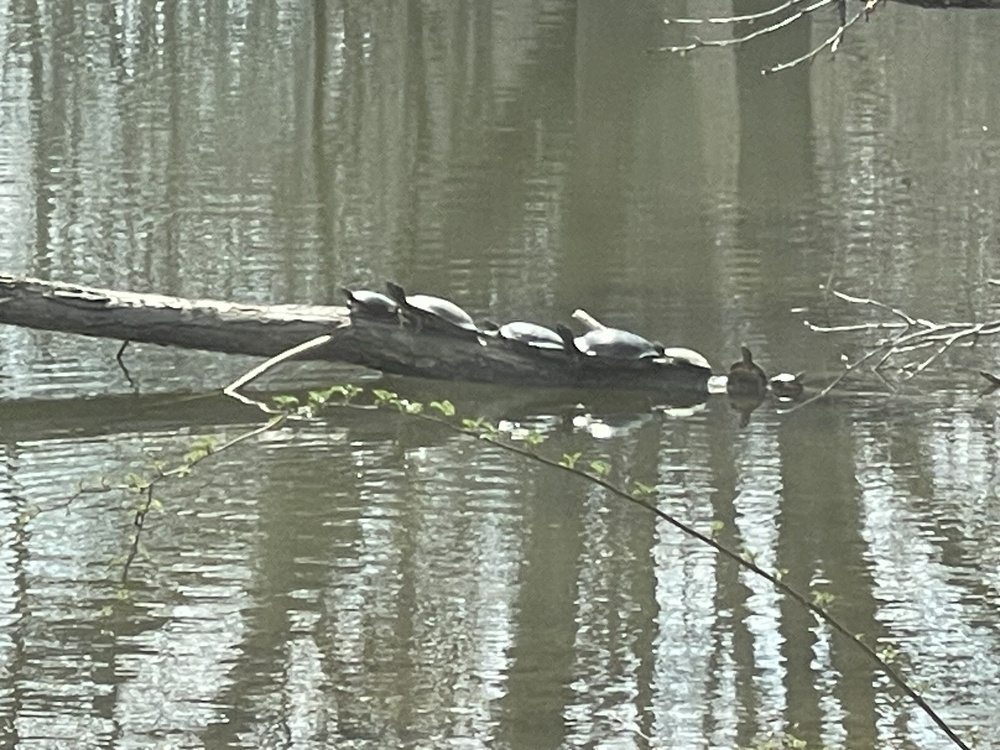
(267,330)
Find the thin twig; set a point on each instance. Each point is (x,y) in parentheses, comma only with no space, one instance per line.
(751,17)
(232,390)
(140,515)
(833,41)
(732,41)
(138,522)
(869,301)
(854,327)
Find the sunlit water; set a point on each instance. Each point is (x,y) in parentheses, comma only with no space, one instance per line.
(368,580)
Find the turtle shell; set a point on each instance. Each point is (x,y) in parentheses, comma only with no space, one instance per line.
(614,343)
(683,356)
(531,334)
(442,308)
(432,312)
(371,304)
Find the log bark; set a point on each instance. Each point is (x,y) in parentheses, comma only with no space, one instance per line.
(267,330)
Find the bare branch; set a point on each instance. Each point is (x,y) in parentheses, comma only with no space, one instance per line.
(912,335)
(751,17)
(875,303)
(833,41)
(732,41)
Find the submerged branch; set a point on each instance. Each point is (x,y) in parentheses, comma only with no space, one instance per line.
(911,335)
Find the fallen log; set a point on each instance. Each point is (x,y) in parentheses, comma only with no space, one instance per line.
(268,330)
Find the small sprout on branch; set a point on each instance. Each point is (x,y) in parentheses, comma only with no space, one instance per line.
(569,460)
(642,490)
(822,598)
(888,653)
(135,482)
(409,407)
(286,404)
(600,468)
(383,396)
(195,454)
(534,437)
(446,408)
(201,447)
(157,466)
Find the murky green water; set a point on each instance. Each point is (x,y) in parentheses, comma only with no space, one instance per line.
(365,580)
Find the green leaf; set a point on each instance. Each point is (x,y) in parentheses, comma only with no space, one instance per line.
(385,397)
(319,398)
(286,402)
(715,526)
(822,598)
(135,481)
(888,653)
(195,455)
(472,424)
(534,437)
(600,468)
(642,490)
(569,460)
(445,407)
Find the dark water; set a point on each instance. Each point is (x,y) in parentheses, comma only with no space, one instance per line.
(366,580)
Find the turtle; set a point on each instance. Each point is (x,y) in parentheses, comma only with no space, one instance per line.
(432,313)
(746,376)
(787,386)
(613,343)
(368,304)
(682,356)
(525,333)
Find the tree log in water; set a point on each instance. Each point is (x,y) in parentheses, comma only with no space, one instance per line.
(267,330)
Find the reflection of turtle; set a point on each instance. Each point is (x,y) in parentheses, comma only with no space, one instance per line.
(527,334)
(367,304)
(784,385)
(746,376)
(432,313)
